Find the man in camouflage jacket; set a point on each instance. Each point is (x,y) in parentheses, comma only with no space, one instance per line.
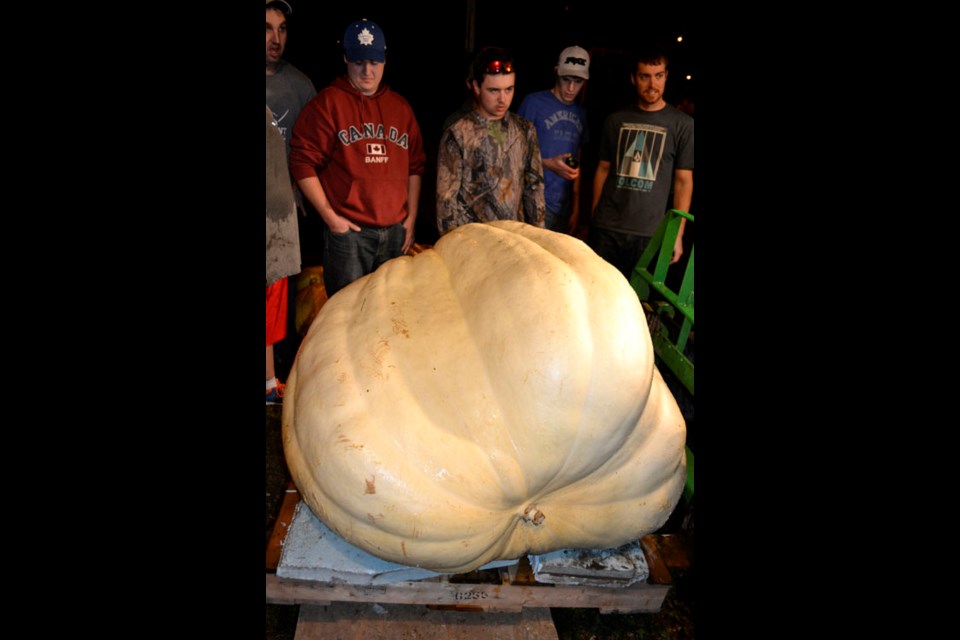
(489,166)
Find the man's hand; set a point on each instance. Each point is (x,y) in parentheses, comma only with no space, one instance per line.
(408,225)
(677,248)
(558,165)
(339,224)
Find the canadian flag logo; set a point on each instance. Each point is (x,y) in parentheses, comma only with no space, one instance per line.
(376,149)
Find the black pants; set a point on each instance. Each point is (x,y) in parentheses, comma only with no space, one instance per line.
(622,250)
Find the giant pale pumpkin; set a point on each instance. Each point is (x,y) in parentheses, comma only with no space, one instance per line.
(493,396)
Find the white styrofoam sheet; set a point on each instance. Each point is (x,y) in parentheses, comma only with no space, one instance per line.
(622,566)
(312,551)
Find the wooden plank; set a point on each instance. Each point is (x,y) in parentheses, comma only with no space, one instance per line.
(275,546)
(499,607)
(667,555)
(659,573)
(637,598)
(676,553)
(362,621)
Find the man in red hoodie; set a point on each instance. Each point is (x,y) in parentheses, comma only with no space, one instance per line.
(357,155)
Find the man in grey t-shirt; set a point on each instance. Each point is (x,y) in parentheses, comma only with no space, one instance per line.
(288,89)
(645,148)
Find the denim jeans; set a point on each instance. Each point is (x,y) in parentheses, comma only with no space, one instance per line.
(555,221)
(354,254)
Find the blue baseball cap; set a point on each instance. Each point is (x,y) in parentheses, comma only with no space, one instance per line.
(363,40)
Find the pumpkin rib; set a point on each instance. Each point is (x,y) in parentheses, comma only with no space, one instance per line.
(571,255)
(532,250)
(401,281)
(484,542)
(527,250)
(349,527)
(617,478)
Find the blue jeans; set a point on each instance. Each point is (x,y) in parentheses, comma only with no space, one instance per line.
(354,254)
(556,221)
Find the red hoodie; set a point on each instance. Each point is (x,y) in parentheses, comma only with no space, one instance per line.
(362,148)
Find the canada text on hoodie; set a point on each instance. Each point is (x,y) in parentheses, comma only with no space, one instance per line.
(362,148)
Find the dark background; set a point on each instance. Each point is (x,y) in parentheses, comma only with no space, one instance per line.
(427,53)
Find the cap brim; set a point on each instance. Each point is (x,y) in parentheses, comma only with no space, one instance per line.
(361,55)
(576,73)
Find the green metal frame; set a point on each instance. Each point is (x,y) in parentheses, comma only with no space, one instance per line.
(668,349)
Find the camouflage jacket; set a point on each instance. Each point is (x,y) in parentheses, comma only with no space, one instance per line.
(489,170)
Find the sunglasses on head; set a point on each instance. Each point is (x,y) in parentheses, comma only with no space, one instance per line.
(499,66)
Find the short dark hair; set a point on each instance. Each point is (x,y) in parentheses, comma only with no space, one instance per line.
(652,55)
(485,57)
(282,7)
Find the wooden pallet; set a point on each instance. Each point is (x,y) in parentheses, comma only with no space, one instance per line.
(362,621)
(509,590)
(507,596)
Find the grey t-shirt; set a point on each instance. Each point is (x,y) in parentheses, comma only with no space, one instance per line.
(643,149)
(283,240)
(287,91)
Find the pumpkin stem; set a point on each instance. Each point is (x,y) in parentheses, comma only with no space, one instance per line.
(536,517)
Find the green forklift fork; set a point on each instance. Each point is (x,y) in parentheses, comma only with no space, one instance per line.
(668,345)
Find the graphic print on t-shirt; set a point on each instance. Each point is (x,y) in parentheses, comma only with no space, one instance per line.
(639,151)
(279,120)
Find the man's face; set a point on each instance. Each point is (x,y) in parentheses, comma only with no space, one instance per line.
(567,88)
(495,94)
(649,81)
(276,35)
(365,75)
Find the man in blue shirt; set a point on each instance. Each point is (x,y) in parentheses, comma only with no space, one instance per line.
(561,128)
